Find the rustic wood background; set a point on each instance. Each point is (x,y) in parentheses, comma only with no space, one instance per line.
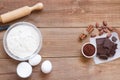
(61,23)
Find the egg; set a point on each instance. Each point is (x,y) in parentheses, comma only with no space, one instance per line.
(35,60)
(46,67)
(24,69)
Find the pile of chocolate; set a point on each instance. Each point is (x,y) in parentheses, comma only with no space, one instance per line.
(105,48)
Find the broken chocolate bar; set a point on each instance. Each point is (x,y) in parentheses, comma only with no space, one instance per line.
(108,44)
(100,41)
(105,48)
(104,57)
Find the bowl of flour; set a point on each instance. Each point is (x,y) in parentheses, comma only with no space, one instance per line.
(22,41)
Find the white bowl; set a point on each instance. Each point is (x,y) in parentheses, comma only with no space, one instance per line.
(86,55)
(10,53)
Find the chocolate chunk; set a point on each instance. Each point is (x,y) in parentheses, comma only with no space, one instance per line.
(108,44)
(107,51)
(99,50)
(104,57)
(115,46)
(105,48)
(112,53)
(114,39)
(102,53)
(100,41)
(97,25)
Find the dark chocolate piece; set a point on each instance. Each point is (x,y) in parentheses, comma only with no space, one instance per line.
(100,50)
(107,51)
(114,39)
(105,48)
(100,41)
(108,44)
(104,57)
(102,53)
(112,52)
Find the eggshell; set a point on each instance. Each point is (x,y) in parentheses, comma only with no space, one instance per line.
(35,60)
(46,67)
(24,70)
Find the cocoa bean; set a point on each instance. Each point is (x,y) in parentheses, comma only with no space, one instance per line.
(105,23)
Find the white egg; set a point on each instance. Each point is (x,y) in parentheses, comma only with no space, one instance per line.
(24,70)
(35,60)
(46,67)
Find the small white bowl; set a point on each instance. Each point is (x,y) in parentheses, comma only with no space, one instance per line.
(86,55)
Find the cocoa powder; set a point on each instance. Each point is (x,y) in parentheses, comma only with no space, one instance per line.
(89,50)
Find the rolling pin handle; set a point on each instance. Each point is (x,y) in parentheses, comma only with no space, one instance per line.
(37,6)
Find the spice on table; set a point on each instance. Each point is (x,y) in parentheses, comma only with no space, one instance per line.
(105,23)
(101,32)
(104,28)
(82,36)
(99,29)
(109,28)
(90,28)
(97,25)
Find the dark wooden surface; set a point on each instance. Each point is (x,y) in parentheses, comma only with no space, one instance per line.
(61,22)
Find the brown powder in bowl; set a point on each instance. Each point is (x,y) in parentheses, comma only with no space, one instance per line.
(89,50)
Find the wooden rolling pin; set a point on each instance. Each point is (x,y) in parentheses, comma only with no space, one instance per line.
(18,13)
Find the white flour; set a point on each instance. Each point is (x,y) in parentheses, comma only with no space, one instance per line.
(23,40)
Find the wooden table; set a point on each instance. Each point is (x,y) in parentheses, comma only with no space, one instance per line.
(61,23)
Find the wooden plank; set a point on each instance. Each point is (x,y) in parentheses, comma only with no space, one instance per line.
(57,42)
(8,66)
(65,68)
(68,13)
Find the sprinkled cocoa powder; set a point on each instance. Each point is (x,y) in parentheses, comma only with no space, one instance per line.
(89,50)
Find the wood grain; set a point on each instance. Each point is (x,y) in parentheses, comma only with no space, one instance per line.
(66,68)
(61,23)
(68,13)
(57,42)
